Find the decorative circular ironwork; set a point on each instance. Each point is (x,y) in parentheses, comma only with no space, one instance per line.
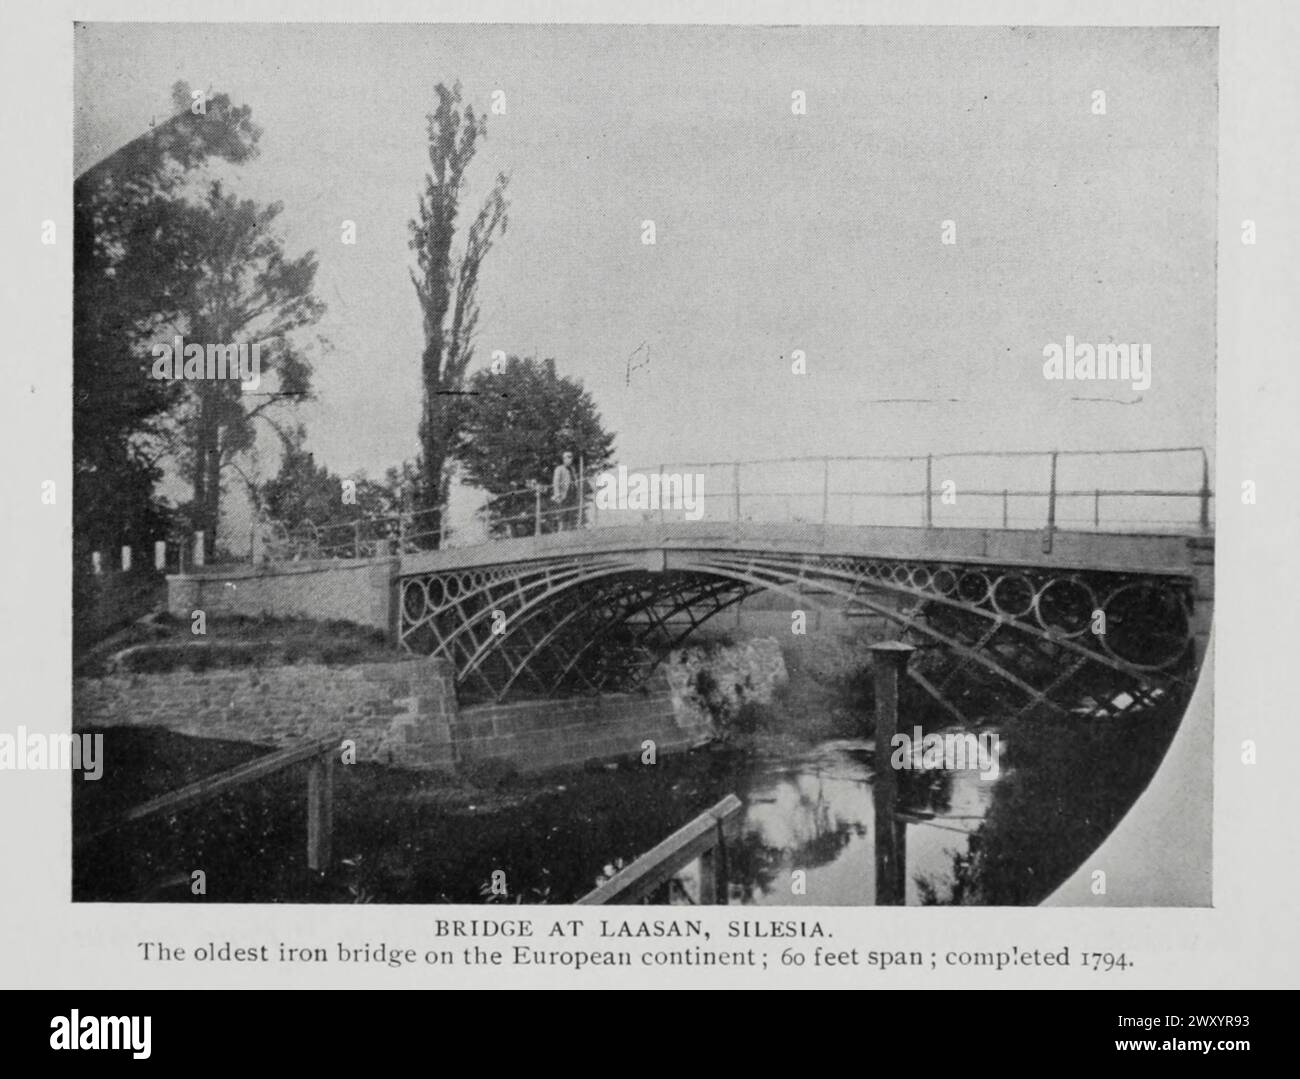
(1147,625)
(414,589)
(567,627)
(1064,605)
(973,586)
(944,581)
(436,593)
(1013,595)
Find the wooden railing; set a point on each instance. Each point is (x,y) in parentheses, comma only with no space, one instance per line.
(704,838)
(320,794)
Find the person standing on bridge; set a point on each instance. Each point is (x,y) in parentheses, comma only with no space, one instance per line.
(564,493)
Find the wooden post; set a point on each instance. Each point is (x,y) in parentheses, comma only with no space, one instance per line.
(721,873)
(1051,509)
(1005,518)
(826,491)
(690,843)
(709,878)
(929,492)
(200,555)
(401,532)
(582,493)
(319,750)
(537,509)
(889,660)
(1205,491)
(320,811)
(1096,510)
(713,871)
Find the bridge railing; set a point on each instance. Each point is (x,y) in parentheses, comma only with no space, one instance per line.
(317,753)
(1149,490)
(704,840)
(1113,490)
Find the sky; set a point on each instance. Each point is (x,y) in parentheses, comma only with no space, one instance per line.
(774,231)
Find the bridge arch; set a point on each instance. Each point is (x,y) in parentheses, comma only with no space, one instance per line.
(586,621)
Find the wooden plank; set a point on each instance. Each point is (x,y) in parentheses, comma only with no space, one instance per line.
(211,786)
(661,862)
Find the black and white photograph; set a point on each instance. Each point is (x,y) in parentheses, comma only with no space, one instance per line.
(686,465)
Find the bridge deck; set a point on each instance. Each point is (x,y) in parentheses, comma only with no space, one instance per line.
(1155,553)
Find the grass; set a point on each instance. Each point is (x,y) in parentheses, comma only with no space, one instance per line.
(167,643)
(102,605)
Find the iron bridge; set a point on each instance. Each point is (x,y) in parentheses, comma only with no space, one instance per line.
(1041,614)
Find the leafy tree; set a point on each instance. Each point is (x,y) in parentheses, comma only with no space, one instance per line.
(249,291)
(515,423)
(133,262)
(446,287)
(303,491)
(356,515)
(393,494)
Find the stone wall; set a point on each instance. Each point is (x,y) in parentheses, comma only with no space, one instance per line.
(544,734)
(358,590)
(379,705)
(402,712)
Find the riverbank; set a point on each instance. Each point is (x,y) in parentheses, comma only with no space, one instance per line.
(400,836)
(793,742)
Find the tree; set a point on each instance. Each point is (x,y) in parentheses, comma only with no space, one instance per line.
(133,244)
(353,516)
(515,423)
(303,491)
(249,292)
(446,288)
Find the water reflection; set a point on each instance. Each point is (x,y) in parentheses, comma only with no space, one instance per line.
(817,814)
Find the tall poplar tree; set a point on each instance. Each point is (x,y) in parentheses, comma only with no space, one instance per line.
(446,286)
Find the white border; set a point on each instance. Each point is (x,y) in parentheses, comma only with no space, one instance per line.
(1249,937)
